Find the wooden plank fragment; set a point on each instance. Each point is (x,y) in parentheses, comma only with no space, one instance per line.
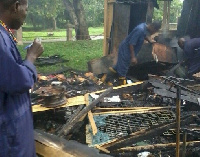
(90,116)
(129,111)
(67,128)
(157,146)
(80,100)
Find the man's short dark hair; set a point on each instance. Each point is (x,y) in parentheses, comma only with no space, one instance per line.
(156,25)
(7,3)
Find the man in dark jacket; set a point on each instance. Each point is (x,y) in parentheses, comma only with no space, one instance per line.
(191,49)
(16,78)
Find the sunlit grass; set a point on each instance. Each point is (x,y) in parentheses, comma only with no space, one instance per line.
(59,33)
(77,52)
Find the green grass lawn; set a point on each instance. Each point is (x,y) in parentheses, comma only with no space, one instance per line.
(77,52)
(59,33)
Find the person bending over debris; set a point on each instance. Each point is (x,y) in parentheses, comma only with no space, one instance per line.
(191,50)
(129,48)
(16,78)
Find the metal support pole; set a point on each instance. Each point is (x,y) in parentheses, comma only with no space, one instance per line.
(178,119)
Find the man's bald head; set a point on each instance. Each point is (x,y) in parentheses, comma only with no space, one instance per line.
(5,4)
(181,42)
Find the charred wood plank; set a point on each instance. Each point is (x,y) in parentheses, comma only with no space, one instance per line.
(52,145)
(158,146)
(74,101)
(147,110)
(174,81)
(90,116)
(72,117)
(166,93)
(68,126)
(171,88)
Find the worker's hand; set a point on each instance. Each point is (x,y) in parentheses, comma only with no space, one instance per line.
(34,51)
(133,61)
(152,42)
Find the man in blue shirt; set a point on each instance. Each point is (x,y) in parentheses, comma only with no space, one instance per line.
(130,47)
(16,78)
(191,49)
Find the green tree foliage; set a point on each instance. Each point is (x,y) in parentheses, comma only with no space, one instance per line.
(175,11)
(44,12)
(94,11)
(48,13)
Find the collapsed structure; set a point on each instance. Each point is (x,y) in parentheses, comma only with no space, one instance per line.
(156,116)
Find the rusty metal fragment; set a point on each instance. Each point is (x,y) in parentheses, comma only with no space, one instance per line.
(51,96)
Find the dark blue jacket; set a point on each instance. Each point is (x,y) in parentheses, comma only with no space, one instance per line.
(16,122)
(192,52)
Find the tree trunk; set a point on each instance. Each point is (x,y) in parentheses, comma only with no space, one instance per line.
(82,30)
(70,9)
(77,18)
(54,23)
(71,12)
(32,21)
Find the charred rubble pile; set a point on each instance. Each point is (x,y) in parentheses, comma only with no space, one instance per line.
(130,120)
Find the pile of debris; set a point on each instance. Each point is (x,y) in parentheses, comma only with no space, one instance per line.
(135,119)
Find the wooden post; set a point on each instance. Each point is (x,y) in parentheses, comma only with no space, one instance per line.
(69,32)
(18,34)
(178,120)
(108,19)
(105,41)
(166,15)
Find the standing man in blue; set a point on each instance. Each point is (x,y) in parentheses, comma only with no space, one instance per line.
(16,78)
(129,48)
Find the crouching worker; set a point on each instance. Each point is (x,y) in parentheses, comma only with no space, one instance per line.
(16,78)
(191,50)
(129,48)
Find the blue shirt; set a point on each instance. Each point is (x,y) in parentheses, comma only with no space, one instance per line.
(16,122)
(135,38)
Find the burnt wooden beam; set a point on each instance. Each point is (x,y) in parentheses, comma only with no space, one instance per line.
(49,145)
(132,111)
(68,126)
(158,146)
(90,116)
(144,134)
(72,117)
(178,120)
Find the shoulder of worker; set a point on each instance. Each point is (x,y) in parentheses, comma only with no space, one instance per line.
(141,27)
(192,41)
(4,36)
